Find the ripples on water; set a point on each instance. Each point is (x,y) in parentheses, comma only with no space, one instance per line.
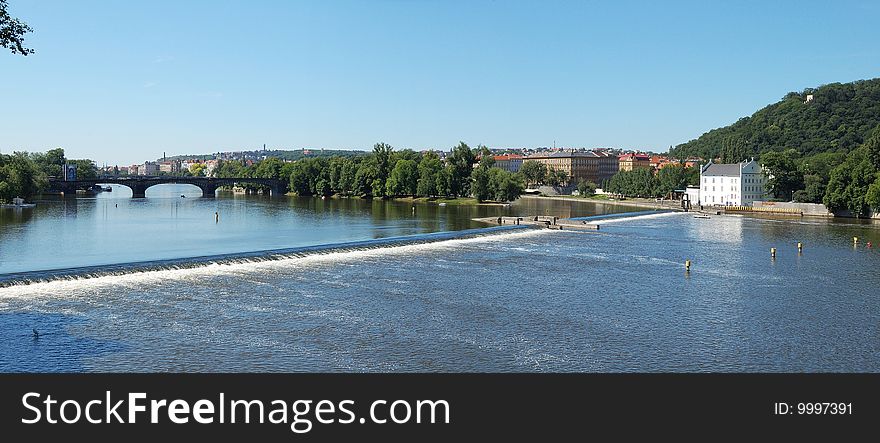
(613,300)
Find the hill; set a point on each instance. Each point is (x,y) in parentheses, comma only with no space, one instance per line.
(838,118)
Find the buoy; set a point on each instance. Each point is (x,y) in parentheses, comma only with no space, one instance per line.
(868,245)
(687,265)
(216,217)
(773,252)
(800,247)
(855,241)
(36,334)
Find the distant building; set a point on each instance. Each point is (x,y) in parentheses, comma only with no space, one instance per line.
(809,98)
(133,169)
(148,168)
(210,165)
(630,162)
(509,162)
(170,167)
(594,166)
(735,184)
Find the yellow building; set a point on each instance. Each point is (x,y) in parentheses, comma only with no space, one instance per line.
(630,162)
(594,166)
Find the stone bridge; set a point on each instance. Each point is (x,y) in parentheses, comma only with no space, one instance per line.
(139,184)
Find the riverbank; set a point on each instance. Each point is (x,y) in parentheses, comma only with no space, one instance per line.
(632,203)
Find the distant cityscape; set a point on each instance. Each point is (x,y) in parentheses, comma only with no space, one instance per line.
(596,164)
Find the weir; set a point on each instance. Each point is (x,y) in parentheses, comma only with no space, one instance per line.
(573,223)
(79,273)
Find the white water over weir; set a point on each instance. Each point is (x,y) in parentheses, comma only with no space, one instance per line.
(25,279)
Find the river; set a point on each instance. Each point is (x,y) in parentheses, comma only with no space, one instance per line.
(616,300)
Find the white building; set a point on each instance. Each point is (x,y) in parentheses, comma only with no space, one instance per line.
(736,184)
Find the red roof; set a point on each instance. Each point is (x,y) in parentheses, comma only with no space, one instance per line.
(507,157)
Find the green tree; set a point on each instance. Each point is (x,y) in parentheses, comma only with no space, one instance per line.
(383,155)
(430,168)
(556,177)
(268,168)
(12,31)
(814,190)
(534,172)
(365,176)
(198,169)
(784,177)
(848,186)
(462,163)
(403,179)
(505,185)
(872,197)
(85,169)
(586,188)
(20,177)
(480,184)
(676,177)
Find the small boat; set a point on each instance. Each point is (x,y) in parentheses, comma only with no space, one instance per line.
(182,196)
(701,216)
(108,189)
(441,204)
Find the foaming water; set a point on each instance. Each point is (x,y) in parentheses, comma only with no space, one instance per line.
(132,274)
(642,216)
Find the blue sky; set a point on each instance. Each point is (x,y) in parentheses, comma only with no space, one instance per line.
(125,81)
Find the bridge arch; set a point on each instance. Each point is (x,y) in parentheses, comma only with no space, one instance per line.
(140,184)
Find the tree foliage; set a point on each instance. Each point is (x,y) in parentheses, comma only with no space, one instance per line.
(854,185)
(21,177)
(785,177)
(839,118)
(12,31)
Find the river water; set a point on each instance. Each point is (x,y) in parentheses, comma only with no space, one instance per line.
(615,300)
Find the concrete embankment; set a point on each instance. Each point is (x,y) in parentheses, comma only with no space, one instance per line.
(541,221)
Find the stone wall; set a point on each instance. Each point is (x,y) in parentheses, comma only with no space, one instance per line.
(812,209)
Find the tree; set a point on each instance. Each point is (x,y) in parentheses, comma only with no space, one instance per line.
(85,169)
(872,197)
(848,186)
(586,188)
(430,168)
(403,179)
(50,162)
(733,150)
(12,31)
(268,168)
(838,119)
(20,177)
(676,177)
(382,153)
(784,177)
(480,184)
(198,169)
(461,162)
(556,177)
(534,172)
(365,176)
(814,190)
(505,185)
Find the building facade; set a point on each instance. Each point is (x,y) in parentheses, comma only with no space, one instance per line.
(509,162)
(735,184)
(594,166)
(629,162)
(148,168)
